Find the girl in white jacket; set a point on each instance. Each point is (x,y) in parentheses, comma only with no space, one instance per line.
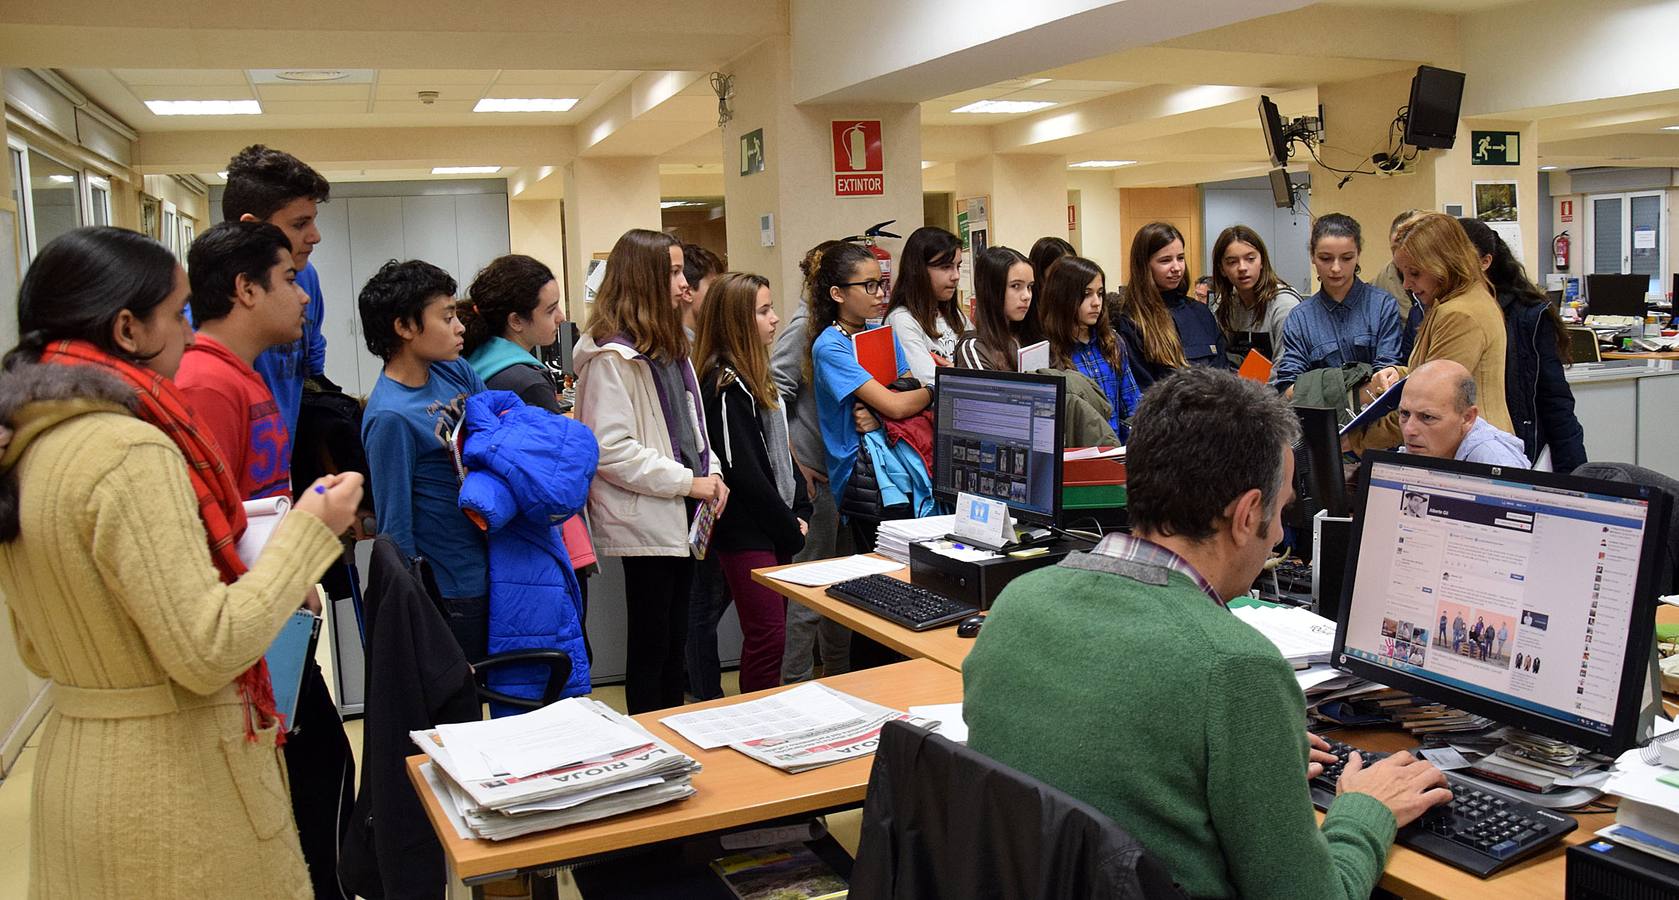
(637,391)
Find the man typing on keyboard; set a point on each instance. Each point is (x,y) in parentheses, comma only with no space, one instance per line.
(1120,677)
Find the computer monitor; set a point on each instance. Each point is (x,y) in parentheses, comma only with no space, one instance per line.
(1319,482)
(1282,190)
(1271,125)
(1555,299)
(1431,120)
(1616,295)
(1562,570)
(998,435)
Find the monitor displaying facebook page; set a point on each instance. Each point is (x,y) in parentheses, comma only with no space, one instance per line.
(1516,593)
(997,440)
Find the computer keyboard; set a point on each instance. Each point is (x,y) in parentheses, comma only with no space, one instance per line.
(1479,832)
(913,607)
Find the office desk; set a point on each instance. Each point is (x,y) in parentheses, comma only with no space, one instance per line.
(733,790)
(940,645)
(1622,354)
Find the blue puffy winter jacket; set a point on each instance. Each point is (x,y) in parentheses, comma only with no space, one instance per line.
(528,470)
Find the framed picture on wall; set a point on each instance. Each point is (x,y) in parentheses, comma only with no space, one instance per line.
(1495,201)
(151,217)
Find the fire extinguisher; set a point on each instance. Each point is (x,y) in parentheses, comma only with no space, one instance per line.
(1559,247)
(882,255)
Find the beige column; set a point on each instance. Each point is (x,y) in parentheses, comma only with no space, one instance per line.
(604,197)
(796,187)
(1028,195)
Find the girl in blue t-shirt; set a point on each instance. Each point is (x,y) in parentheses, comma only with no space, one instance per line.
(844,287)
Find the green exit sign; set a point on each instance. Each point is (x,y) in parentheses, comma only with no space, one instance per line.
(1495,148)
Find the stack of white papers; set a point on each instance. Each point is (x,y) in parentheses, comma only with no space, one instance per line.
(573,761)
(1303,637)
(893,538)
(828,571)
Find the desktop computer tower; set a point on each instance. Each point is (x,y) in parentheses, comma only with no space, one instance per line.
(1601,870)
(979,583)
(1330,537)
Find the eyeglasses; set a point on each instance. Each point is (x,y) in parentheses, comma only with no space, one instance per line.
(872,287)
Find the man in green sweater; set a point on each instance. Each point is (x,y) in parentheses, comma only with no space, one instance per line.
(1120,677)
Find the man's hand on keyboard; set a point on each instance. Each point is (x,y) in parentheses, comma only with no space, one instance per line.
(1317,756)
(1406,785)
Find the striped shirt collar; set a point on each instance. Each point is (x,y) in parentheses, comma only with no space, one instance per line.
(1135,549)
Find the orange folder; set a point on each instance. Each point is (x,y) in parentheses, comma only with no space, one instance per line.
(1256,367)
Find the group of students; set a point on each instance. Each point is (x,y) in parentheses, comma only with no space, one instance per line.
(129,442)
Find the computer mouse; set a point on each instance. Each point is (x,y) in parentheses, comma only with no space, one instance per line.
(970,626)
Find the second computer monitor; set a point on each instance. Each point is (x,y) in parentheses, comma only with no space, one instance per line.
(998,435)
(1526,597)
(1616,295)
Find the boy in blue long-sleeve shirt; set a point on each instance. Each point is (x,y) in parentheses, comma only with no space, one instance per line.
(408,318)
(268,185)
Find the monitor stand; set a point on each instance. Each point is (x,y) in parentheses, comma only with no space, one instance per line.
(1569,799)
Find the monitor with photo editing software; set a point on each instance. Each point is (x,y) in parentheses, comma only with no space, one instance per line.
(998,435)
(1530,596)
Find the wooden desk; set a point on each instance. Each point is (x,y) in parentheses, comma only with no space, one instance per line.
(733,789)
(940,645)
(1622,354)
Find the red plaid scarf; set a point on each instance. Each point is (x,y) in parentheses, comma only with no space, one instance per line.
(222,510)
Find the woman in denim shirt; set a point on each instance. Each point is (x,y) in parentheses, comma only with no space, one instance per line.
(1347,320)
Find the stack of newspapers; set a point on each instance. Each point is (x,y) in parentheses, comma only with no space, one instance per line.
(795,730)
(572,761)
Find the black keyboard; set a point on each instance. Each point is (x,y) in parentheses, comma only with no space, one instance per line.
(913,607)
(1479,832)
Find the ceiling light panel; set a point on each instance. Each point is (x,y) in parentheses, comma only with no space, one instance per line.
(1004,107)
(204,107)
(1102,164)
(525,104)
(465,170)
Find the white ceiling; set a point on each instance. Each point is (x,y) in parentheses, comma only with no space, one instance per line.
(367,98)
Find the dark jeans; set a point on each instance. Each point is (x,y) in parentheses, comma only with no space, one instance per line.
(323,781)
(708,600)
(656,602)
(469,621)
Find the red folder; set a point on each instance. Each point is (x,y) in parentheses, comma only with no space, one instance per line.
(876,353)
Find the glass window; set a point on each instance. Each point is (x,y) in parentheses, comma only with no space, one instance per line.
(99,201)
(1647,238)
(54,189)
(14,158)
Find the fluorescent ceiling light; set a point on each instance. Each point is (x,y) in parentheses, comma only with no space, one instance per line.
(928,164)
(222,174)
(1102,164)
(204,107)
(312,75)
(62,179)
(1547,168)
(1004,106)
(1670,127)
(465,170)
(525,104)
(672,204)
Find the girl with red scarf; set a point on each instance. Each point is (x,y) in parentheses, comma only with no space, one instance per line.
(158,771)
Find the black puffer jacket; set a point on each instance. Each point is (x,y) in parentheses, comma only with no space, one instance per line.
(1540,400)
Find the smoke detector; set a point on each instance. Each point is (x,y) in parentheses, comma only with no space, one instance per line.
(428,97)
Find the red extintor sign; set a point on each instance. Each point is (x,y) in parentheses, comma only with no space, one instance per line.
(859,159)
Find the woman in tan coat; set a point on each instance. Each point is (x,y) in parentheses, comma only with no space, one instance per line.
(1461,320)
(158,773)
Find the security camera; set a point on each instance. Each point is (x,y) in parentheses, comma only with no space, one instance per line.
(428,97)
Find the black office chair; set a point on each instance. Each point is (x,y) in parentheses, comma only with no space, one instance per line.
(943,821)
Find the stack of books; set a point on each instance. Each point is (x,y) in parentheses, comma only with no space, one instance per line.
(573,761)
(1303,637)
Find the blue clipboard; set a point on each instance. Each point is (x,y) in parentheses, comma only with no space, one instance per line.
(287,658)
(1378,408)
